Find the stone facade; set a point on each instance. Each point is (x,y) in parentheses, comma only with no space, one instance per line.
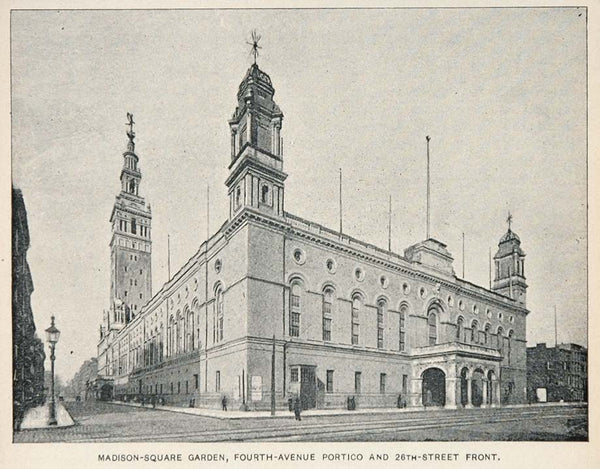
(345,320)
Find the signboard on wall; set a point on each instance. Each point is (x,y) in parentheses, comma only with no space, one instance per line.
(256,388)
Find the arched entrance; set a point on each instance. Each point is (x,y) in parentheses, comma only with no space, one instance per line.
(106,392)
(464,383)
(434,387)
(477,388)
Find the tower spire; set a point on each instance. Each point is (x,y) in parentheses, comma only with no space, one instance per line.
(509,220)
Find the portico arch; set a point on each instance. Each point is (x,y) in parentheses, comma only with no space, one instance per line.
(477,387)
(433,387)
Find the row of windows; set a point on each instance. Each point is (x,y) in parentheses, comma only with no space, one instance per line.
(476,336)
(158,388)
(329,381)
(143,229)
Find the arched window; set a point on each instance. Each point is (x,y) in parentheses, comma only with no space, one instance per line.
(511,333)
(381,305)
(474,332)
(356,307)
(402,328)
(327,312)
(432,328)
(264,194)
(486,334)
(190,331)
(295,309)
(500,337)
(218,316)
(460,329)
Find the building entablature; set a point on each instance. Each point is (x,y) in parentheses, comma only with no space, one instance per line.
(457,348)
(294,226)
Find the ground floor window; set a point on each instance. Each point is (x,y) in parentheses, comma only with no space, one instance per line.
(329,385)
(294,375)
(382,378)
(196,381)
(357,378)
(218,381)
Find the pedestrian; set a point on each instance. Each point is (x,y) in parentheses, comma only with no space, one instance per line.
(297,408)
(224,403)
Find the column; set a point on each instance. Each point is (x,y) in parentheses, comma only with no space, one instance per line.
(497,392)
(469,404)
(484,387)
(452,393)
(417,392)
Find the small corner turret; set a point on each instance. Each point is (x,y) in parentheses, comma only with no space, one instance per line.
(509,260)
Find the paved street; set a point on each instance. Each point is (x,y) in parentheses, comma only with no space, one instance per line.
(104,422)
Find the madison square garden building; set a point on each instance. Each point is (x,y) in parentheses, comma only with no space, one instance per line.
(344,318)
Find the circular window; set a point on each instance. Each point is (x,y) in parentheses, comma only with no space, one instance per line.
(475,309)
(405,288)
(489,313)
(422,292)
(450,300)
(383,281)
(331,266)
(461,305)
(218,265)
(359,274)
(299,256)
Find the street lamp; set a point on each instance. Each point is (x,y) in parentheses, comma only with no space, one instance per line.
(52,335)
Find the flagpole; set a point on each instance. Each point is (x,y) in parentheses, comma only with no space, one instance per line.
(341,207)
(390,225)
(428,138)
(168,257)
(463,254)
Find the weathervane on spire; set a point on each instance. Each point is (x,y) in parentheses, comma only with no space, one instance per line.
(255,39)
(509,220)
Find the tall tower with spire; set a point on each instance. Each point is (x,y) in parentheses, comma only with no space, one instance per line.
(256,177)
(131,243)
(509,260)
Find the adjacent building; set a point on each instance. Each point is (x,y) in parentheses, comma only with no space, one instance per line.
(28,350)
(341,318)
(557,374)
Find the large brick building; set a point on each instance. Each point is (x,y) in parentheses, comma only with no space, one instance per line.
(341,317)
(557,373)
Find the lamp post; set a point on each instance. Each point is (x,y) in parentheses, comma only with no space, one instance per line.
(52,335)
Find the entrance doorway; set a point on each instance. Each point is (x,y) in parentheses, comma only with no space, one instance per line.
(434,387)
(308,387)
(477,388)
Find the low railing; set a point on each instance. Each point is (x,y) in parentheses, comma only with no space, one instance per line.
(456,347)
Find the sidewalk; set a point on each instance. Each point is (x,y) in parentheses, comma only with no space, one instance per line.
(37,417)
(266,414)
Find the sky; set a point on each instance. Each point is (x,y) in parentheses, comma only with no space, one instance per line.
(501,92)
